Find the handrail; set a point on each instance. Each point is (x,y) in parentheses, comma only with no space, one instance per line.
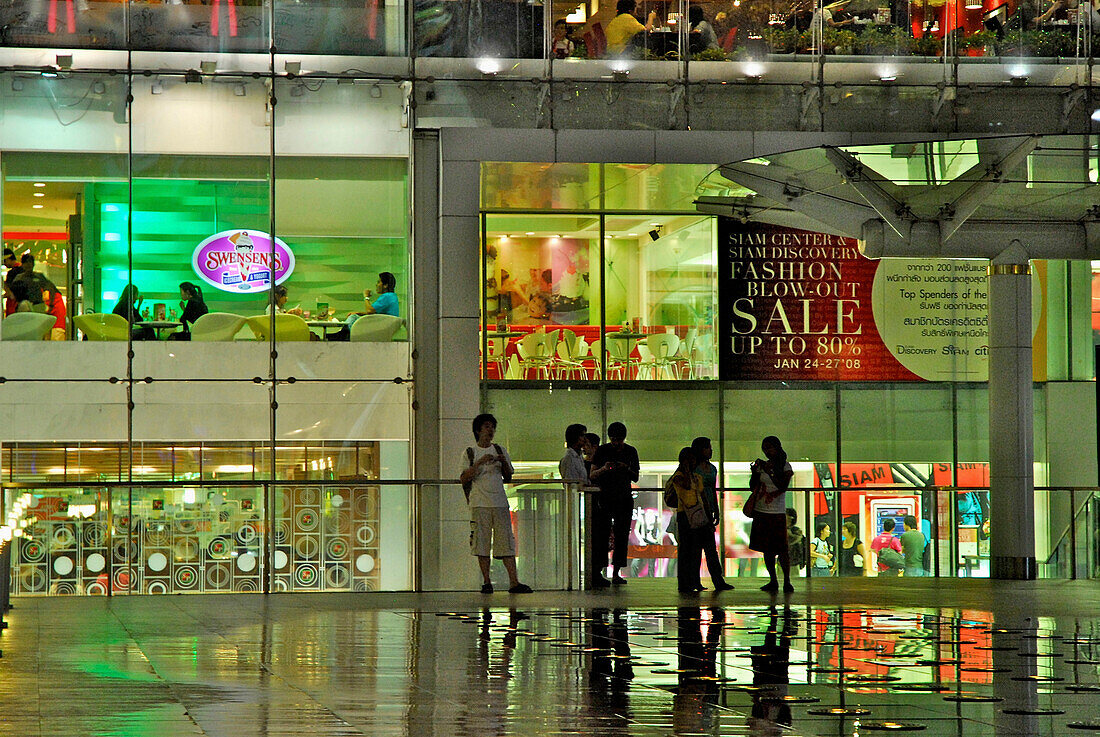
(1068,532)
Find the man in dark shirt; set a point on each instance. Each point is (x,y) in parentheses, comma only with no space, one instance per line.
(614,467)
(14,270)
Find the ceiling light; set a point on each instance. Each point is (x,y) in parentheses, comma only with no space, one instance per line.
(208,67)
(37,207)
(293,67)
(531,232)
(1096,115)
(40,184)
(375,90)
(156,88)
(39,194)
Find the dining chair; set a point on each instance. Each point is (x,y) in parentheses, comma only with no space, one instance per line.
(217,326)
(287,327)
(96,326)
(663,347)
(534,354)
(375,328)
(26,326)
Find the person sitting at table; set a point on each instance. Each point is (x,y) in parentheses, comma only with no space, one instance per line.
(385,304)
(281,295)
(129,307)
(561,45)
(192,307)
(829,19)
(622,29)
(55,305)
(702,35)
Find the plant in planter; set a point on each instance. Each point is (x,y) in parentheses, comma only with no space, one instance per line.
(710,55)
(1016,43)
(838,41)
(883,41)
(979,43)
(927,45)
(1051,43)
(781,40)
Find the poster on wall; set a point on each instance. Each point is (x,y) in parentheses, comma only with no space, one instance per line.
(537,281)
(799,305)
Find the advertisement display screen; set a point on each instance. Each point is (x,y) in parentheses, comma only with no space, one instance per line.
(800,305)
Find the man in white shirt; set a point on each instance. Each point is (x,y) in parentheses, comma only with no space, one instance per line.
(485,468)
(571,467)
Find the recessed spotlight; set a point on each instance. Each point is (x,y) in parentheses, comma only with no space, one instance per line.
(37,207)
(39,194)
(632,234)
(40,184)
(529,232)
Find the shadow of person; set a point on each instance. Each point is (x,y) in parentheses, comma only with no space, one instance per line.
(610,670)
(699,634)
(770,662)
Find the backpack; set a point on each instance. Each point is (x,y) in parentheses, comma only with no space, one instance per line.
(505,473)
(891,558)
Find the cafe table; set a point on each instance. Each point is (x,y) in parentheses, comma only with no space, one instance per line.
(158,325)
(631,339)
(325,325)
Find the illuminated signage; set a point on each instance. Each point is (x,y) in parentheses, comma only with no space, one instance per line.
(242,261)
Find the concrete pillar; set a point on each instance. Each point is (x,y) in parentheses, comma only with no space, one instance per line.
(1011,437)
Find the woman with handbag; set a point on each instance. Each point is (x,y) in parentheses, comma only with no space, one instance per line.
(694,524)
(767,505)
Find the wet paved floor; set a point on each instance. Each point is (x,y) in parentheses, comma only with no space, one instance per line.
(844,658)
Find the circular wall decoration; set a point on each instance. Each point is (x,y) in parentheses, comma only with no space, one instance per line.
(337,577)
(246,534)
(282,532)
(186,578)
(362,504)
(186,526)
(34,578)
(308,496)
(63,538)
(157,562)
(337,523)
(337,500)
(95,588)
(364,563)
(245,584)
(307,546)
(280,560)
(283,504)
(125,552)
(337,548)
(64,588)
(156,587)
(63,565)
(186,548)
(305,575)
(95,535)
(217,576)
(364,534)
(305,520)
(364,585)
(94,563)
(246,563)
(280,584)
(218,549)
(33,551)
(122,579)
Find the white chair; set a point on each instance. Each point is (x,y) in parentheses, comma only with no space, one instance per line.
(26,326)
(598,354)
(571,351)
(683,354)
(375,328)
(498,354)
(536,351)
(619,349)
(216,326)
(663,347)
(107,326)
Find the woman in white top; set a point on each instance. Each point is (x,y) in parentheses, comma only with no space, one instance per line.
(770,479)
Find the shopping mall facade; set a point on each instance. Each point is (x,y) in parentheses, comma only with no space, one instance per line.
(531,208)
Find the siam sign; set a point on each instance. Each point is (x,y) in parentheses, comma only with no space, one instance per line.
(800,305)
(240,261)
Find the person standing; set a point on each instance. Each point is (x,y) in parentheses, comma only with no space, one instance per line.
(883,541)
(913,543)
(614,468)
(769,482)
(851,551)
(704,537)
(485,468)
(571,467)
(822,552)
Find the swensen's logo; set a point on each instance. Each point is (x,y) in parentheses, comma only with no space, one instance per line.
(242,261)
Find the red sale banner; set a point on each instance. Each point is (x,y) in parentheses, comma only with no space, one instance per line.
(798,305)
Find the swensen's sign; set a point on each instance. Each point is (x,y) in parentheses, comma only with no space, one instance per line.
(242,261)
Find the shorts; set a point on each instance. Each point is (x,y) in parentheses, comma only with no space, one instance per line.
(492,525)
(768,533)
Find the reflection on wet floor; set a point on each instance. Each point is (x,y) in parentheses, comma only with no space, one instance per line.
(235,667)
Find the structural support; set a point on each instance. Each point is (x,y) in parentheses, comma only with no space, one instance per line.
(1011,447)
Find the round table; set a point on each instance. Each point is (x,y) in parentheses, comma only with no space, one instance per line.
(326,325)
(159,325)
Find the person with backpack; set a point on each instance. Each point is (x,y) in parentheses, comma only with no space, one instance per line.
(887,550)
(486,467)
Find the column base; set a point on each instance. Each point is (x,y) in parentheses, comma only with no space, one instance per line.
(1013,568)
